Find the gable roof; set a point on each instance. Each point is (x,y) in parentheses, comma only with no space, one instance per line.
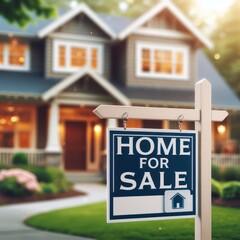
(223,96)
(106,85)
(165,4)
(81,8)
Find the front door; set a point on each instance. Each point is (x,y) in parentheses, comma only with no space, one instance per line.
(75,145)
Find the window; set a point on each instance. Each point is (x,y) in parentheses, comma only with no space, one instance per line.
(165,61)
(71,56)
(17,124)
(14,56)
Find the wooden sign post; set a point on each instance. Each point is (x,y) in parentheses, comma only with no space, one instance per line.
(202,115)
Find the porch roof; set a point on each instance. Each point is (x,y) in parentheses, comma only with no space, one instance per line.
(24,84)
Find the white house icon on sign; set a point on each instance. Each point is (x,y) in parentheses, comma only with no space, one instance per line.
(178,201)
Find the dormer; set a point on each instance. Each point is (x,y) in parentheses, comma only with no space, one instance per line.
(78,39)
(160,49)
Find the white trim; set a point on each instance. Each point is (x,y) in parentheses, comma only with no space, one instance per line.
(165,4)
(155,46)
(81,8)
(78,75)
(162,33)
(67,36)
(7,66)
(81,102)
(68,44)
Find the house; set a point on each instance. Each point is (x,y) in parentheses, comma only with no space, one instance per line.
(54,73)
(177,201)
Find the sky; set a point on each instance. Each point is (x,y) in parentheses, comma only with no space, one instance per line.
(215,6)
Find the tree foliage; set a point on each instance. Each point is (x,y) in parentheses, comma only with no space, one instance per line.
(226,53)
(133,7)
(20,11)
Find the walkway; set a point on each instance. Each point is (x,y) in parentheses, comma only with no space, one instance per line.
(12,216)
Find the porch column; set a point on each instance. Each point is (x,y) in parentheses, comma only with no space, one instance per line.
(53,148)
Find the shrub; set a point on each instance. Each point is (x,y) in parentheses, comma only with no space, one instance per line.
(17,182)
(20,159)
(59,179)
(231,190)
(216,174)
(48,188)
(216,188)
(41,173)
(232,174)
(225,173)
(10,187)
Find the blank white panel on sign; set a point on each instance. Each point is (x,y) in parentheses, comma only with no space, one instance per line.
(137,205)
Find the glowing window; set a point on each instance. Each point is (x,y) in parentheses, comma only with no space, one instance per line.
(78,57)
(162,61)
(68,56)
(14,55)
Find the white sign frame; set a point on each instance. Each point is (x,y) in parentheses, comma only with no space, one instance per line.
(111,207)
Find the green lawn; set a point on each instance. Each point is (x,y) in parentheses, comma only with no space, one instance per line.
(90,221)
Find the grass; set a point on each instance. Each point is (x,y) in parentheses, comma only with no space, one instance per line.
(90,221)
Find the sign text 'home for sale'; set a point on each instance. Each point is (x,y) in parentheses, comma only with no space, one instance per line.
(151,174)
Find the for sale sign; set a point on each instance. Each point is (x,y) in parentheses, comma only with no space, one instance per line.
(151,174)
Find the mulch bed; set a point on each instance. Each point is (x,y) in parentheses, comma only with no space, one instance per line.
(235,203)
(33,198)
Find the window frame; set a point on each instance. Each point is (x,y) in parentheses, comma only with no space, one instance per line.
(174,48)
(5,55)
(68,45)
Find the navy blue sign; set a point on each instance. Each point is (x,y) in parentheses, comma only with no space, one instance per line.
(151,174)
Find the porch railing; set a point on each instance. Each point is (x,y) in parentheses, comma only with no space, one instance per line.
(226,160)
(35,156)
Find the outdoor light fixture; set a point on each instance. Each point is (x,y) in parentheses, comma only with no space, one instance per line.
(3,121)
(97,128)
(14,119)
(221,129)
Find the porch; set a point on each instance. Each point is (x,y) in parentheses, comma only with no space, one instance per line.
(38,157)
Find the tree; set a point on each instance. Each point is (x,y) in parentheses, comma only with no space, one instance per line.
(226,53)
(20,11)
(133,8)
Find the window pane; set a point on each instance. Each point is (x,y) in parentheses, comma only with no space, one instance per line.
(179,57)
(1,54)
(62,56)
(179,69)
(94,58)
(167,68)
(145,60)
(6,139)
(158,58)
(163,61)
(167,56)
(16,54)
(78,57)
